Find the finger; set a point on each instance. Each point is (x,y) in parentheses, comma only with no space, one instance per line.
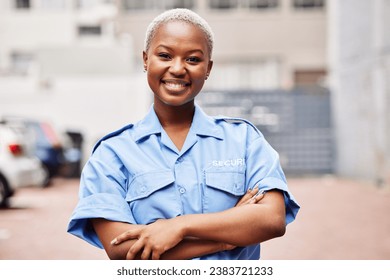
(250,195)
(146,253)
(247,196)
(127,235)
(133,251)
(255,199)
(258,197)
(155,255)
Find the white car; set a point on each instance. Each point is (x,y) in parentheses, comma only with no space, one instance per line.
(18,166)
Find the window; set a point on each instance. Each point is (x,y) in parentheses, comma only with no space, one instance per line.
(309,4)
(171,4)
(309,77)
(52,4)
(21,62)
(255,73)
(263,4)
(157,4)
(139,4)
(23,4)
(223,4)
(90,30)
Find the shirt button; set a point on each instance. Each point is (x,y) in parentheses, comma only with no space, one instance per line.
(143,189)
(179,159)
(182,190)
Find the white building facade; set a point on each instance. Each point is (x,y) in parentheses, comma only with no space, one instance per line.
(61,61)
(359,67)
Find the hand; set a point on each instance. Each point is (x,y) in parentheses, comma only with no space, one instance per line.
(153,239)
(252,196)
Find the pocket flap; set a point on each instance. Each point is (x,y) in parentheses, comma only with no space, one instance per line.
(147,183)
(231,182)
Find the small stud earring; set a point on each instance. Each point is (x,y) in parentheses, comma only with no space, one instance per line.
(144,70)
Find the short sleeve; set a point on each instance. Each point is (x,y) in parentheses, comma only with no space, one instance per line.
(265,171)
(102,195)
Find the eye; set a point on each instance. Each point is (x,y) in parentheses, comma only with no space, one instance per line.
(194,59)
(164,56)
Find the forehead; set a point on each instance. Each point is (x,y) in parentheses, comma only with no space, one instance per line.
(175,32)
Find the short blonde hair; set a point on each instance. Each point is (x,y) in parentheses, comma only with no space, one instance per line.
(184,15)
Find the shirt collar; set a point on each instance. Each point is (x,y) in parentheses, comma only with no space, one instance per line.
(205,125)
(148,126)
(202,124)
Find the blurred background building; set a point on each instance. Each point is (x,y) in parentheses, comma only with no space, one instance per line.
(359,72)
(310,73)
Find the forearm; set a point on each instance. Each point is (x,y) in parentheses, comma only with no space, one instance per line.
(240,226)
(191,248)
(188,248)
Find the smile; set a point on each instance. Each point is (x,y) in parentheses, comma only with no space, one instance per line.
(175,84)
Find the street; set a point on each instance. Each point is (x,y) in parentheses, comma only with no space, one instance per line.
(339,219)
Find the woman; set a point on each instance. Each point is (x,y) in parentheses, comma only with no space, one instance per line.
(180,184)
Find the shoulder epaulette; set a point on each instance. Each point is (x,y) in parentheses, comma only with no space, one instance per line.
(112,134)
(237,121)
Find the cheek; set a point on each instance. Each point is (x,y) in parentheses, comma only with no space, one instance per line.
(199,74)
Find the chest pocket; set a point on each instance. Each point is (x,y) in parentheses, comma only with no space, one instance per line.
(153,196)
(222,190)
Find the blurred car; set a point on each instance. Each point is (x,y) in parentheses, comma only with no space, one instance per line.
(19,167)
(59,152)
(48,146)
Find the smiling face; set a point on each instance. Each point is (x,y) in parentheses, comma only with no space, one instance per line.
(177,62)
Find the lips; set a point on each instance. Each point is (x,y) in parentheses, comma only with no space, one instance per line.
(176,85)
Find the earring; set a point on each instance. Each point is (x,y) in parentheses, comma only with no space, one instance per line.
(145,70)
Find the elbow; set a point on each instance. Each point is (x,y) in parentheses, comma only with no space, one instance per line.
(275,228)
(114,253)
(279,230)
(278,227)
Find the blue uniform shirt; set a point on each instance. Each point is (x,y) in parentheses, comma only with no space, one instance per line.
(137,175)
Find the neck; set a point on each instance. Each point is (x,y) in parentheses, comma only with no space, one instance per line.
(175,116)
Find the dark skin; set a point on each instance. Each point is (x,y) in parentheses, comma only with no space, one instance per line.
(178,63)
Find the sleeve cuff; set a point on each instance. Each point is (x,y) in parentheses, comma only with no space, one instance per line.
(292,207)
(104,205)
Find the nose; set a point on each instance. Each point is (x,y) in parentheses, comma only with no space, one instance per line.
(177,67)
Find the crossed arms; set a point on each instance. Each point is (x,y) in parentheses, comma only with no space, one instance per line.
(254,219)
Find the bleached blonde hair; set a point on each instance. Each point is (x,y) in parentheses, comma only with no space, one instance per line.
(179,14)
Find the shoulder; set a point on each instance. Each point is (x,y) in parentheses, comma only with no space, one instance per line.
(238,122)
(112,135)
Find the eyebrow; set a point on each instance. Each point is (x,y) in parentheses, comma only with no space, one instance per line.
(170,49)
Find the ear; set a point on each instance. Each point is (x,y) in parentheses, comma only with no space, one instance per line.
(209,67)
(145,59)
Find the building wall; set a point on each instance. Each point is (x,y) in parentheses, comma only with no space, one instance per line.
(78,82)
(359,44)
(276,40)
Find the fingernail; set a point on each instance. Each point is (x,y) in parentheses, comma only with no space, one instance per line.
(114,241)
(260,193)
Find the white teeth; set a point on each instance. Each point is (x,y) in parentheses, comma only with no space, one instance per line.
(175,85)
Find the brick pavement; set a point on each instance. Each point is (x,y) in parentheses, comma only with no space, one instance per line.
(339,219)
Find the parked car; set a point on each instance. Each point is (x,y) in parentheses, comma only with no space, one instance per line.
(59,151)
(19,167)
(48,145)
